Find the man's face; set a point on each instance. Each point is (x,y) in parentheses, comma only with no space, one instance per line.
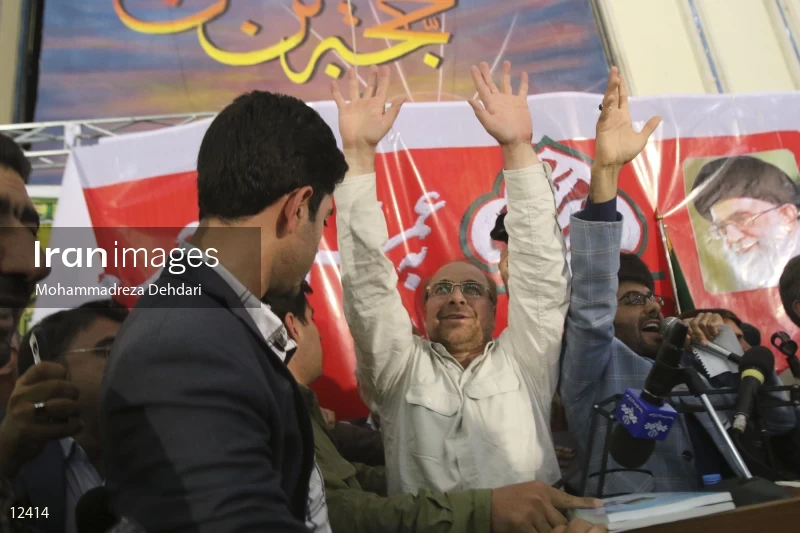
(460,322)
(747,224)
(638,326)
(300,255)
(18,273)
(739,334)
(759,238)
(86,358)
(306,365)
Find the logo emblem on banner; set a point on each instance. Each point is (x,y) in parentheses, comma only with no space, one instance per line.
(571,174)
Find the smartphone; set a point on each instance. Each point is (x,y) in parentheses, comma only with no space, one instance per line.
(34,344)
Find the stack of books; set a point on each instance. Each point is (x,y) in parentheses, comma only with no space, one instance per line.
(635,511)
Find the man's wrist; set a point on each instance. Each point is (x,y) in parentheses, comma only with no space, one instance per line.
(360,159)
(519,155)
(605,180)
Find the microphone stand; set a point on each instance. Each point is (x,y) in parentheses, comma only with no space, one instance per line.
(747,489)
(690,378)
(742,471)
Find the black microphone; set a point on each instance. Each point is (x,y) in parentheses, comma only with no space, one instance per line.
(93,512)
(784,343)
(757,363)
(643,417)
(660,381)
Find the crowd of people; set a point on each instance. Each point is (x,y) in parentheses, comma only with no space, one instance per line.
(193,413)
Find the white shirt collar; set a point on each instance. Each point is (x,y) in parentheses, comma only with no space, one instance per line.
(268,323)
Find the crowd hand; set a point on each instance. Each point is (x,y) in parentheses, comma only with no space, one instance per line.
(532,507)
(329,416)
(616,143)
(23,433)
(505,115)
(565,456)
(703,328)
(365,120)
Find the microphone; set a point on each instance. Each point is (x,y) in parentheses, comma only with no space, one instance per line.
(784,343)
(644,417)
(93,512)
(719,351)
(756,365)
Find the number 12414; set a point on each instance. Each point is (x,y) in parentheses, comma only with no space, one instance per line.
(28,512)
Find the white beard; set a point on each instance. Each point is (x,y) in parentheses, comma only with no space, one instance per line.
(762,265)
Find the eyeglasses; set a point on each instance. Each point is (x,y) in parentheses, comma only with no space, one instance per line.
(637,298)
(471,290)
(740,220)
(101,350)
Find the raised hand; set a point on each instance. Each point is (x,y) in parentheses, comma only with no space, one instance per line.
(504,115)
(616,143)
(364,120)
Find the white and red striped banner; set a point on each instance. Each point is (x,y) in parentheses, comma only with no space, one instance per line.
(440,182)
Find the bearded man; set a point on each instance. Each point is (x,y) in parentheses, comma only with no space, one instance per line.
(753,208)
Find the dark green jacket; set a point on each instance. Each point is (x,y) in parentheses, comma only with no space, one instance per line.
(357,501)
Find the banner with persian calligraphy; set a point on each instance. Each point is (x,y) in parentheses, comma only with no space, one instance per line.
(441,187)
(112,58)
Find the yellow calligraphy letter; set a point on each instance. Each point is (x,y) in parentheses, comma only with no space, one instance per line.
(170,26)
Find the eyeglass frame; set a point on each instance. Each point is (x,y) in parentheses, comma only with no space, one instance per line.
(106,349)
(644,298)
(717,234)
(485,288)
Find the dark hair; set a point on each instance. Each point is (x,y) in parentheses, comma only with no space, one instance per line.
(742,177)
(499,232)
(55,332)
(751,334)
(632,268)
(12,156)
(260,148)
(297,305)
(789,287)
(724,313)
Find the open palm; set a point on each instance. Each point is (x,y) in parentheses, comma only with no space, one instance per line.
(616,143)
(365,120)
(504,115)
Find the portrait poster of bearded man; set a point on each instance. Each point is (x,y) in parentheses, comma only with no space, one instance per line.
(745,218)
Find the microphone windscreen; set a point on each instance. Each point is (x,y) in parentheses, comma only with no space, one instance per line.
(760,358)
(627,450)
(93,512)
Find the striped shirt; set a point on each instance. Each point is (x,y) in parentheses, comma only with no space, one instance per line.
(80,476)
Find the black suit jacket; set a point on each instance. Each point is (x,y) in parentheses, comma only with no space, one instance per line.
(204,428)
(41,483)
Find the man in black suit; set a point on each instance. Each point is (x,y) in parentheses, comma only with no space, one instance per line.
(204,428)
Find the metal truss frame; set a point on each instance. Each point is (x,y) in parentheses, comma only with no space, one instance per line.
(49,143)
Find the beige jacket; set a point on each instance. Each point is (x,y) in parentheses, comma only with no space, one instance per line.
(444,427)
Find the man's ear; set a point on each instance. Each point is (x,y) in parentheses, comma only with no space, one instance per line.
(789,213)
(296,207)
(292,326)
